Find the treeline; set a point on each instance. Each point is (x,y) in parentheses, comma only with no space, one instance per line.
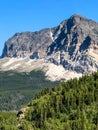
(71,106)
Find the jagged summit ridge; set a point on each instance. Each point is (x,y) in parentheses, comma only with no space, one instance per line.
(26,43)
(73,44)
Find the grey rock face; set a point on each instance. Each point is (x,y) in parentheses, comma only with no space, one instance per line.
(73,44)
(27,43)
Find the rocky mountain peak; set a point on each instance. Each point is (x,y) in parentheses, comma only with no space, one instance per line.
(75,19)
(73,44)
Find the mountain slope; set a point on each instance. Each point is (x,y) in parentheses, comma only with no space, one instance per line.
(52,71)
(72,106)
(73,45)
(17,89)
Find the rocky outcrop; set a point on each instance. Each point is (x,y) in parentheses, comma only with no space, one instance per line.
(73,44)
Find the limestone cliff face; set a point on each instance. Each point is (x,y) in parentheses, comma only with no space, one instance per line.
(73,44)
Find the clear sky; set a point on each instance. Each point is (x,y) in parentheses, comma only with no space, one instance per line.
(32,15)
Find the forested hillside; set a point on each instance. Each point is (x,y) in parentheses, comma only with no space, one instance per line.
(71,106)
(17,89)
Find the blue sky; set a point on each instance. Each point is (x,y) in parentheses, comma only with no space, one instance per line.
(32,15)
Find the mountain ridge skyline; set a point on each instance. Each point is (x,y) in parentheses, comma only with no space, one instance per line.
(21,16)
(73,15)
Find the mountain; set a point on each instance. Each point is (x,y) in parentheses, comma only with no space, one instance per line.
(71,49)
(60,53)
